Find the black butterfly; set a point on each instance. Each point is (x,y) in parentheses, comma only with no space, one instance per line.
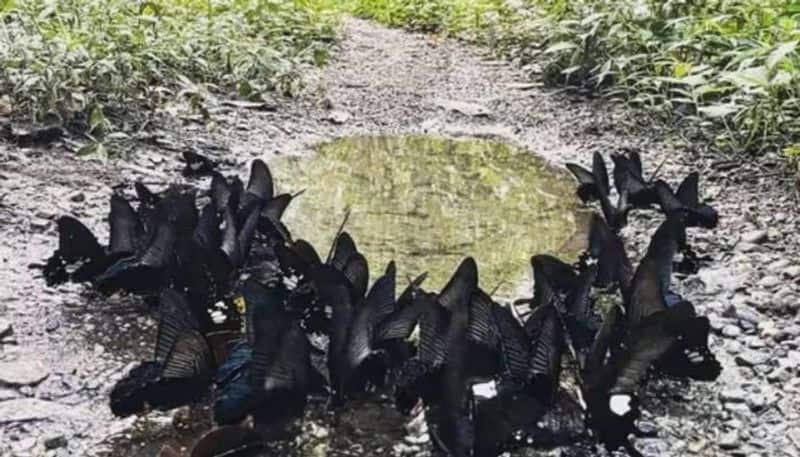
(181,370)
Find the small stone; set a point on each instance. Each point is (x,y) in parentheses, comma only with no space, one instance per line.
(8,394)
(733,396)
(22,373)
(731,331)
(55,442)
(51,324)
(792,272)
(767,329)
(465,108)
(338,117)
(751,358)
(5,328)
(755,237)
(695,447)
(756,402)
(789,332)
(729,440)
(32,409)
(78,198)
(779,375)
(770,281)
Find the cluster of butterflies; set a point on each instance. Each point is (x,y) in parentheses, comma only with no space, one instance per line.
(238,301)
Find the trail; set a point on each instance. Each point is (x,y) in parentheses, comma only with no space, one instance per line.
(389,81)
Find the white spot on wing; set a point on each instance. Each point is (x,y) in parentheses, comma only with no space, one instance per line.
(485,390)
(620,404)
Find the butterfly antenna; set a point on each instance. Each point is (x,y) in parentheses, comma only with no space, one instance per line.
(497,287)
(654,175)
(338,232)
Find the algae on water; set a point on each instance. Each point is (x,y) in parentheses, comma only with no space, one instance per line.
(426,202)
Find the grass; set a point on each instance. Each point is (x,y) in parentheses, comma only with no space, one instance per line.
(77,60)
(727,70)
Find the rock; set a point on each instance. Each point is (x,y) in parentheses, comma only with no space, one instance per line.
(751,358)
(338,117)
(748,315)
(733,396)
(465,108)
(51,324)
(731,331)
(695,447)
(8,394)
(767,329)
(524,86)
(55,442)
(779,375)
(78,197)
(33,409)
(22,373)
(792,272)
(756,402)
(770,281)
(729,440)
(5,328)
(789,332)
(755,237)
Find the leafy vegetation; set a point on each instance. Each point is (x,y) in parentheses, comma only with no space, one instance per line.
(728,69)
(75,59)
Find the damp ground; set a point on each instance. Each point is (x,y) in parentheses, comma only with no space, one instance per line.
(72,345)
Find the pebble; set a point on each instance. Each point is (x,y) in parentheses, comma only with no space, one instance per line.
(51,324)
(338,117)
(8,394)
(749,358)
(33,409)
(22,373)
(756,402)
(78,197)
(779,375)
(55,442)
(5,328)
(755,236)
(792,272)
(465,108)
(731,331)
(729,440)
(770,281)
(733,396)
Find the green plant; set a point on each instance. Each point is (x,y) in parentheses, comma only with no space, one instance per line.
(729,69)
(71,58)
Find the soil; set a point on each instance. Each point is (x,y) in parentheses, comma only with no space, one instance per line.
(391,82)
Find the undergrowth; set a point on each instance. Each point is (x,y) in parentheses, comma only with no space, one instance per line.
(73,60)
(727,69)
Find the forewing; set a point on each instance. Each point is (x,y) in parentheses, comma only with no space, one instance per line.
(458,291)
(125,230)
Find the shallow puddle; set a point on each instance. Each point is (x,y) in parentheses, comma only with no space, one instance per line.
(426,202)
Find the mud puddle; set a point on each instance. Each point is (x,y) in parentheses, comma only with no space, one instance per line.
(425,202)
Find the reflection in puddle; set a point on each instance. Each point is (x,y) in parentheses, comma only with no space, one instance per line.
(427,202)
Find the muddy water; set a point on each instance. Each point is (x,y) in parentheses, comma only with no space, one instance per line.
(425,202)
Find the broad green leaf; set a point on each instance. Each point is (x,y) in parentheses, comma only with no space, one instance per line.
(781,51)
(560,47)
(781,78)
(749,77)
(718,111)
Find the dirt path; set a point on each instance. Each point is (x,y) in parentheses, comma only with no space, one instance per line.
(388,81)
